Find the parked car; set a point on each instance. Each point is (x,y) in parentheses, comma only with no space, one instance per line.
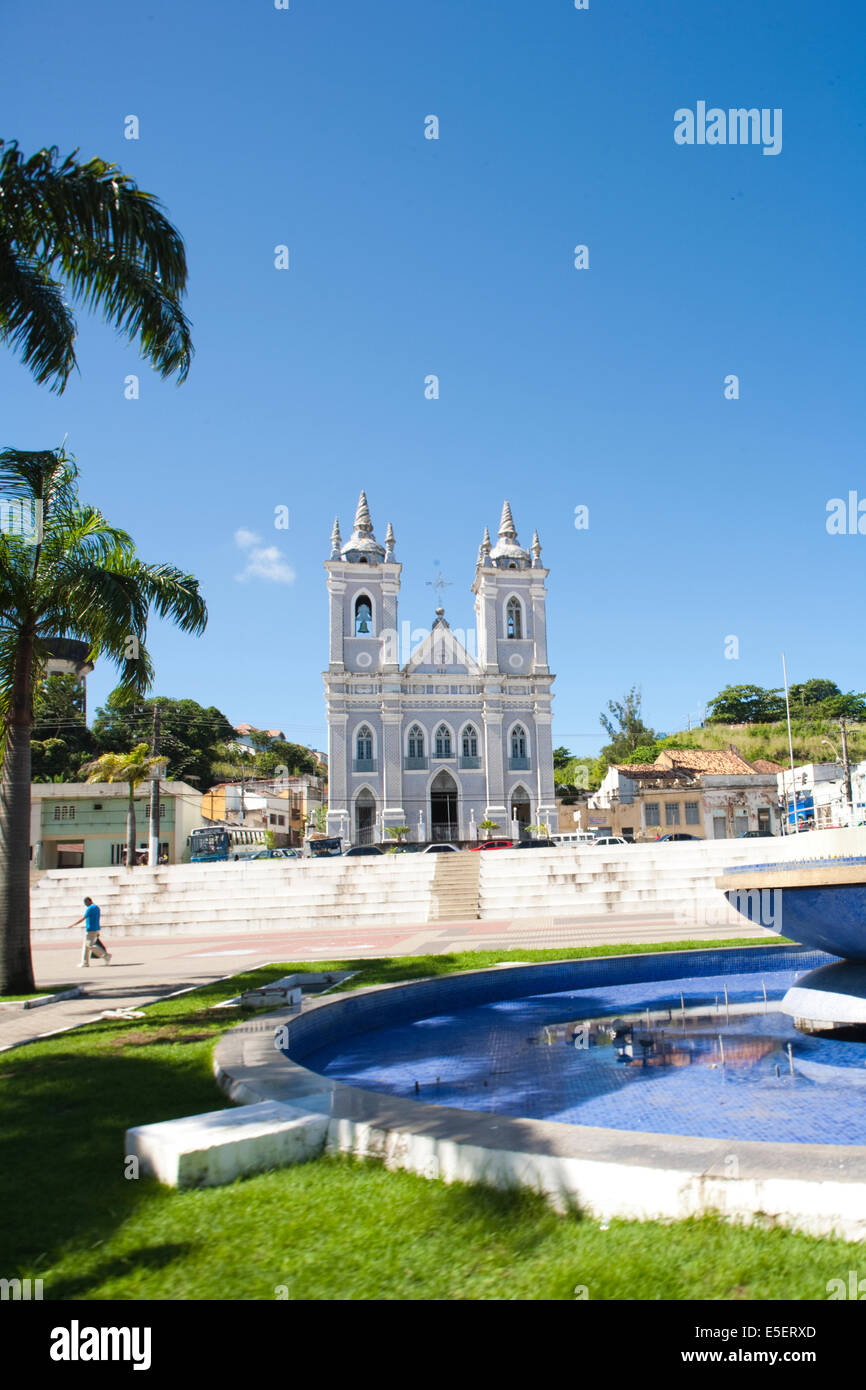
(607,840)
(537,844)
(359,851)
(662,838)
(267,854)
(494,844)
(442,849)
(405,849)
(574,837)
(755,835)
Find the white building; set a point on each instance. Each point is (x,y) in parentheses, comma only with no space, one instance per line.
(821,795)
(437,730)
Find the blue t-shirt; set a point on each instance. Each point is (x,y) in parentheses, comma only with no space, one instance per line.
(91,918)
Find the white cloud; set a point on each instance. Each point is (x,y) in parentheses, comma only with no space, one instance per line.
(263,561)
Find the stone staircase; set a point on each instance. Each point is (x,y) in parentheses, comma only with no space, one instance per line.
(265,895)
(562,884)
(455,887)
(676,878)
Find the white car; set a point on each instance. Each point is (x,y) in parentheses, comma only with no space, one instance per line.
(444,848)
(574,837)
(610,840)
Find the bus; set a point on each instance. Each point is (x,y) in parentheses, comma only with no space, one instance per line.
(323,847)
(211,844)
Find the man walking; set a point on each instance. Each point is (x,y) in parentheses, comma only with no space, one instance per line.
(92,943)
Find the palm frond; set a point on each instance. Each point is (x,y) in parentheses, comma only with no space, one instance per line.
(58,202)
(135,299)
(34,319)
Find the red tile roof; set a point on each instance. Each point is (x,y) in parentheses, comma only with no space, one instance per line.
(712,761)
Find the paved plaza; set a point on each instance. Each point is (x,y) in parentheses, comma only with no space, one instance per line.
(145,969)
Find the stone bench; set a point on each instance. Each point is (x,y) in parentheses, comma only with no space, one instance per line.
(217,1147)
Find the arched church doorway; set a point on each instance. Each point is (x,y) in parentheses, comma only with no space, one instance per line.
(443,807)
(521,810)
(365,818)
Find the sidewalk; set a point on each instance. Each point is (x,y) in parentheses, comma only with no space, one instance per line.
(144,969)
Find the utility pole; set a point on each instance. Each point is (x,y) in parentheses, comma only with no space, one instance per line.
(153,837)
(846,771)
(790,751)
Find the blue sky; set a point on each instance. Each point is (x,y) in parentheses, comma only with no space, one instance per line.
(558,387)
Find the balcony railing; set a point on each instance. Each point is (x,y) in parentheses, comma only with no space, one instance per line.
(469,762)
(518,764)
(445,830)
(415,764)
(364,765)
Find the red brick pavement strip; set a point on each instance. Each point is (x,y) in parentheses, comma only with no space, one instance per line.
(145,969)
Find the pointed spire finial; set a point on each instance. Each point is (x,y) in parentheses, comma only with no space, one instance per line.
(336,539)
(363,522)
(507,529)
(485,544)
(390,542)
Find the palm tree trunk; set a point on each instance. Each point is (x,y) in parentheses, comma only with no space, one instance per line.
(130,828)
(16,963)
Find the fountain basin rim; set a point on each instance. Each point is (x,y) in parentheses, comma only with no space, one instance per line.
(792,875)
(250,1070)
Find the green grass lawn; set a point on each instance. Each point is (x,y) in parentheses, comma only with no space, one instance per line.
(335,1228)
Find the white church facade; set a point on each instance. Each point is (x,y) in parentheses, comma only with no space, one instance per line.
(437,731)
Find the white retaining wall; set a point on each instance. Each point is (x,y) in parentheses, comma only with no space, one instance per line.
(269,895)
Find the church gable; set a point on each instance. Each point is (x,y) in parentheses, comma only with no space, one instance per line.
(442,650)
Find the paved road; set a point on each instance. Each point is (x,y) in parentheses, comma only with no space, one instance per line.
(146,969)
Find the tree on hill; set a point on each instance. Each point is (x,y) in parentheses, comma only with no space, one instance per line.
(812,693)
(811,700)
(191,736)
(746,704)
(292,756)
(561,758)
(62,740)
(625,727)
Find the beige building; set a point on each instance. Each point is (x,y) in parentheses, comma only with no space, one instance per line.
(82,825)
(709,794)
(282,806)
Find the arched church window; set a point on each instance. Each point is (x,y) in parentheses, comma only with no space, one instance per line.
(364,745)
(416,742)
(363,616)
(518,741)
(470,742)
(513,619)
(443,742)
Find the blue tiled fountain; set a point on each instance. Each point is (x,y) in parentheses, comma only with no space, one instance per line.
(819,903)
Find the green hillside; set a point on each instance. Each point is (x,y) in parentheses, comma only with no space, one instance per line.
(771,740)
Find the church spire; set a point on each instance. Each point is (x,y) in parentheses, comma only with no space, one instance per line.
(362,546)
(536,550)
(390,542)
(363,521)
(336,539)
(507,529)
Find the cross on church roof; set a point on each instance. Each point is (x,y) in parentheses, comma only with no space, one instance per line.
(439,583)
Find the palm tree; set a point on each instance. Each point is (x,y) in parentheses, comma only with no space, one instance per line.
(73,575)
(131,768)
(88,229)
